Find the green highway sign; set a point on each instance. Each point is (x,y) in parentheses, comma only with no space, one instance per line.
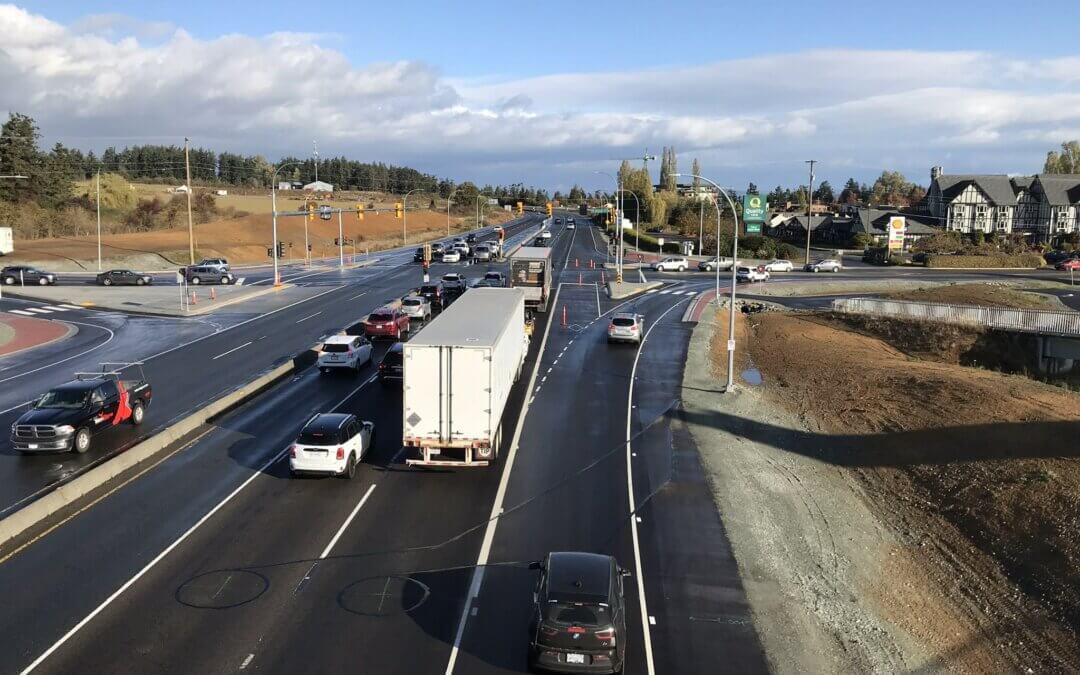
(754,206)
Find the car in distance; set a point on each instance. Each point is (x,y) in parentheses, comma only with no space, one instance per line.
(21,274)
(198,274)
(219,263)
(498,278)
(779,266)
(331,443)
(1066,265)
(671,264)
(124,278)
(470,238)
(578,620)
(416,307)
(626,327)
(462,248)
(546,234)
(751,274)
(824,266)
(570,225)
(434,294)
(392,366)
(482,253)
(388,322)
(344,352)
(715,263)
(453,282)
(540,242)
(451,256)
(418,255)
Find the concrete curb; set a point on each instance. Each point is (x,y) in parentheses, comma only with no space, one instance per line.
(637,289)
(28,516)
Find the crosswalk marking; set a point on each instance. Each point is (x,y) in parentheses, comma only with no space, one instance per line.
(70,306)
(240,281)
(651,290)
(39,310)
(19,311)
(665,291)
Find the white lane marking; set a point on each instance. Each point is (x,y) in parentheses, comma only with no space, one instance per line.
(549,371)
(70,306)
(77,323)
(664,292)
(652,620)
(651,290)
(19,311)
(597,300)
(543,379)
(150,565)
(341,530)
(240,282)
(357,296)
(247,661)
(569,249)
(39,310)
(232,350)
(497,505)
(646,620)
(53,308)
(309,316)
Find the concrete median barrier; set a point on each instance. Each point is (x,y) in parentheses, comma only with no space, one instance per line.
(35,512)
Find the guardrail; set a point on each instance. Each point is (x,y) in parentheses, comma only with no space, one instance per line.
(1043,322)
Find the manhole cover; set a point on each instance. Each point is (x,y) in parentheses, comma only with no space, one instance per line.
(384,596)
(222,589)
(413,419)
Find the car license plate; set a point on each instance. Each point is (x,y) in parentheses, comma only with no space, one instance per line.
(335,358)
(32,446)
(575,658)
(318,451)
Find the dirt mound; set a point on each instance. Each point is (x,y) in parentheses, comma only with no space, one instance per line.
(990,294)
(980,469)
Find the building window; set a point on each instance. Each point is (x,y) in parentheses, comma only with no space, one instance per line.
(959,218)
(982,217)
(1003,218)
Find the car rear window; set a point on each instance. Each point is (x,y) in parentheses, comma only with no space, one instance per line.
(411,302)
(382,316)
(392,358)
(335,347)
(429,290)
(318,437)
(623,321)
(577,614)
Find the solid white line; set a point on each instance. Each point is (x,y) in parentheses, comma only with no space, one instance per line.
(597,300)
(77,323)
(70,306)
(645,618)
(308,317)
(651,290)
(19,311)
(356,296)
(232,350)
(341,530)
(497,505)
(150,565)
(570,249)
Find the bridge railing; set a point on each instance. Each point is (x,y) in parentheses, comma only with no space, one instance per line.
(1043,322)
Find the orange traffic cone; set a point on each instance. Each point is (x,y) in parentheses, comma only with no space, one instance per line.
(213,294)
(579,279)
(565,322)
(194,298)
(575,262)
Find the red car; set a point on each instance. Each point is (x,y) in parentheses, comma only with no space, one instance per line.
(387,322)
(1073,264)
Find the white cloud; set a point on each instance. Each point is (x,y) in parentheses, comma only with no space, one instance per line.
(110,79)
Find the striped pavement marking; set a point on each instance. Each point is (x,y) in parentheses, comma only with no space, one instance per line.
(240,281)
(19,311)
(39,310)
(70,306)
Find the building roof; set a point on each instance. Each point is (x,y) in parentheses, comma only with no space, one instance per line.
(319,186)
(815,221)
(916,223)
(998,188)
(1060,189)
(1022,182)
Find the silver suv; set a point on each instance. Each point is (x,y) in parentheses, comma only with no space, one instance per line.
(626,327)
(199,274)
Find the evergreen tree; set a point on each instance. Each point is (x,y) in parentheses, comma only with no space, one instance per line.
(696,170)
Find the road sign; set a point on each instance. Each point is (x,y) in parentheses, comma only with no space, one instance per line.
(897,230)
(754,206)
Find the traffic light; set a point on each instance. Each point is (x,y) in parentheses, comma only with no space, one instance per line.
(359,211)
(311,210)
(550,208)
(309,248)
(281,249)
(427,253)
(520,208)
(399,209)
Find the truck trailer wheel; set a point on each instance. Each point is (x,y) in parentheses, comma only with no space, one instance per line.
(138,412)
(82,441)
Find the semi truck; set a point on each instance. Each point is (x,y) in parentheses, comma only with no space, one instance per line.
(458,375)
(530,270)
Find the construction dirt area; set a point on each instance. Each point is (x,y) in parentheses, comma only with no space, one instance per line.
(242,240)
(994,295)
(891,509)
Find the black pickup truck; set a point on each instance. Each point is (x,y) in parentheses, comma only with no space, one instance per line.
(68,417)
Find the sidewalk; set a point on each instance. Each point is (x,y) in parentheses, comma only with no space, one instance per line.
(19,333)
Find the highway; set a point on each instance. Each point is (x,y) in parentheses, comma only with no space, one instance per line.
(214,560)
(189,361)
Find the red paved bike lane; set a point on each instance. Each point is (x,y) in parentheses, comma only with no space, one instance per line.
(29,333)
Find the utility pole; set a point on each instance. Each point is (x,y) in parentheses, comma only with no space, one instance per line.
(315,151)
(98,201)
(809,208)
(701,226)
(341,241)
(190,227)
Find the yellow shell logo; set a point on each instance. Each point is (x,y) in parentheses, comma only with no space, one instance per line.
(897,224)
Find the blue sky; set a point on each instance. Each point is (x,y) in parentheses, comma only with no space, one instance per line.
(503,92)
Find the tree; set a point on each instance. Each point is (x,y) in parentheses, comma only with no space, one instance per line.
(696,169)
(850,194)
(824,193)
(776,197)
(892,188)
(1067,161)
(673,168)
(751,188)
(19,156)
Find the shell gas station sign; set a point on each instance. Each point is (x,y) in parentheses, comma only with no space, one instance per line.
(896,231)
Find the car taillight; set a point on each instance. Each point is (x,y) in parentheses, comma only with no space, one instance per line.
(292,451)
(341,453)
(634,328)
(606,634)
(611,328)
(548,630)
(382,366)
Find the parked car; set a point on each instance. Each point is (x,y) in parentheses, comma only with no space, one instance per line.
(714,263)
(197,274)
(416,307)
(751,274)
(498,277)
(220,263)
(1072,264)
(482,253)
(387,322)
(21,274)
(434,294)
(331,443)
(671,264)
(578,619)
(779,266)
(824,266)
(67,417)
(124,278)
(626,327)
(344,352)
(451,256)
(392,366)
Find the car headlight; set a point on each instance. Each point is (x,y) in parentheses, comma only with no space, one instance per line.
(65,429)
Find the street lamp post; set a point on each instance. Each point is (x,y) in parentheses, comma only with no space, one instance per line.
(448,202)
(618,224)
(637,216)
(273,211)
(734,266)
(405,215)
(809,208)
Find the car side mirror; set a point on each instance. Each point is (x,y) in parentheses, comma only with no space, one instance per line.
(536,565)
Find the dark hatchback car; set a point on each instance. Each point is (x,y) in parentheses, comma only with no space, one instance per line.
(434,294)
(579,618)
(124,278)
(392,366)
(19,274)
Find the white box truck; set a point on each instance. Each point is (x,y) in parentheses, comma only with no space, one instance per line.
(7,241)
(459,372)
(530,270)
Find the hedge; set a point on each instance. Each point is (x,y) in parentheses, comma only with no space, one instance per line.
(1032,260)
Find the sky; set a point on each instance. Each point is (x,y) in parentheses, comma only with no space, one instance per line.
(505,93)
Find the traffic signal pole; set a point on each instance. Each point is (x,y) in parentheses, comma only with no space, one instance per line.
(341,241)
